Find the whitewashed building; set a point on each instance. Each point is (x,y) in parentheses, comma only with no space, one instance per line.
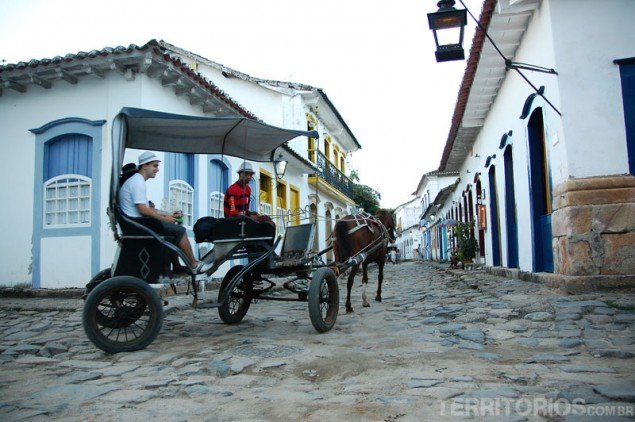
(407,228)
(323,195)
(547,173)
(56,116)
(432,192)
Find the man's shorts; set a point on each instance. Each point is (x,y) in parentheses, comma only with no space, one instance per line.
(175,231)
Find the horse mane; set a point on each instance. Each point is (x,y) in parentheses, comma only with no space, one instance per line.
(386,218)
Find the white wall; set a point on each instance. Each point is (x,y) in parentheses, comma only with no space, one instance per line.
(588,35)
(587,93)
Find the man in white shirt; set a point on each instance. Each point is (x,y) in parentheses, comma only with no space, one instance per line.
(133,200)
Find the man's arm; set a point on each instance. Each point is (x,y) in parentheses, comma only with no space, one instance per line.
(147,211)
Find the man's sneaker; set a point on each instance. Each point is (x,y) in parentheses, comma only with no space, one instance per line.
(204,267)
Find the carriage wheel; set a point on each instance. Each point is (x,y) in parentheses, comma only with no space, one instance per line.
(122,314)
(103,275)
(324,299)
(235,308)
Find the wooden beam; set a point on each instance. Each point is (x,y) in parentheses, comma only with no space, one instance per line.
(91,70)
(63,74)
(147,62)
(115,65)
(14,85)
(170,77)
(155,70)
(181,87)
(40,81)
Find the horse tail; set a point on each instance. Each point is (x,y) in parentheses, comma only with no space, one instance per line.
(342,241)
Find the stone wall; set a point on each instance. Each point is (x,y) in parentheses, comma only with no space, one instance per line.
(593,224)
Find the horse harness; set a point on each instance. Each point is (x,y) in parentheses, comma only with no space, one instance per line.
(364,219)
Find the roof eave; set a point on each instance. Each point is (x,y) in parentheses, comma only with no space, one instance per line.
(148,59)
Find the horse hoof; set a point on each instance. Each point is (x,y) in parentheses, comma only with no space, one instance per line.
(378,299)
(349,310)
(366,305)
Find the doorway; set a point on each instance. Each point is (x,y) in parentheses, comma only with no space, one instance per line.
(540,193)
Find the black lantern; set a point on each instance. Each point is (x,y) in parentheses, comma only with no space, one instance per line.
(279,166)
(450,22)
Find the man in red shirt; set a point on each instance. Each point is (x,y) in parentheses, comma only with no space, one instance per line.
(237,195)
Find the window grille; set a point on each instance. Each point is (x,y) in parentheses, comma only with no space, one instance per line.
(67,201)
(182,199)
(216,205)
(265,208)
(282,220)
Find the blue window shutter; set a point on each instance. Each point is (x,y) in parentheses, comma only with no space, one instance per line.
(181,167)
(68,154)
(219,177)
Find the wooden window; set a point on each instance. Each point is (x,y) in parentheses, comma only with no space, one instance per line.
(266,196)
(327,148)
(282,213)
(311,124)
(295,205)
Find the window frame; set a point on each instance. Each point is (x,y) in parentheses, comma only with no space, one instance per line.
(265,196)
(53,180)
(216,212)
(188,217)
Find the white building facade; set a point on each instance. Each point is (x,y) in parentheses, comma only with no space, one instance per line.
(547,174)
(432,193)
(407,228)
(325,194)
(56,116)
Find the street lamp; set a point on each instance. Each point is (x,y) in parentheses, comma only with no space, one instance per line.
(279,166)
(450,22)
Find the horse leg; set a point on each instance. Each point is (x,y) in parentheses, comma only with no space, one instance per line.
(365,302)
(380,264)
(349,286)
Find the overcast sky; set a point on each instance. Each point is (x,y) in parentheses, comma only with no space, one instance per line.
(374,59)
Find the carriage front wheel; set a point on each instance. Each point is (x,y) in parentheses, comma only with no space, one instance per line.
(122,314)
(234,308)
(324,299)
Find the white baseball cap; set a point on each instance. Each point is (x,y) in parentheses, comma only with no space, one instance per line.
(246,167)
(147,157)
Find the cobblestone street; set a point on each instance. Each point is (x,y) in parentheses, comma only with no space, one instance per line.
(442,345)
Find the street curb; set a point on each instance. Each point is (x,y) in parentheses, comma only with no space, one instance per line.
(28,293)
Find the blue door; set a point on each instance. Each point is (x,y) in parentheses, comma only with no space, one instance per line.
(540,194)
(627,74)
(510,210)
(495,228)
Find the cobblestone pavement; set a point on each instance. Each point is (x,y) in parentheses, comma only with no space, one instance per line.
(441,345)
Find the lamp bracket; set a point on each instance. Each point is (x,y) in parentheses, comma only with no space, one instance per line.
(526,66)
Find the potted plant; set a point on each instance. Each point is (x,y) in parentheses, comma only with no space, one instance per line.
(465,242)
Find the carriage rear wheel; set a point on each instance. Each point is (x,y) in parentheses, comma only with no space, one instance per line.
(324,299)
(122,314)
(234,309)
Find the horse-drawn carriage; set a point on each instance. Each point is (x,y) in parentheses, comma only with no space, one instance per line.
(123,312)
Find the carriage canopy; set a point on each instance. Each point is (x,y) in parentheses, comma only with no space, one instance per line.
(157,131)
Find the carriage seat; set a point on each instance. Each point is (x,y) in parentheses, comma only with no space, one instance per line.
(142,255)
(239,228)
(130,231)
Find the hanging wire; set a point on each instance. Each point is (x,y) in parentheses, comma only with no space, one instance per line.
(510,65)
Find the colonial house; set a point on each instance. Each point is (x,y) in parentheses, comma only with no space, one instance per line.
(432,191)
(546,158)
(56,116)
(407,228)
(323,195)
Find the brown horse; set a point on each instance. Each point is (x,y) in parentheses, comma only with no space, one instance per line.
(363,234)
